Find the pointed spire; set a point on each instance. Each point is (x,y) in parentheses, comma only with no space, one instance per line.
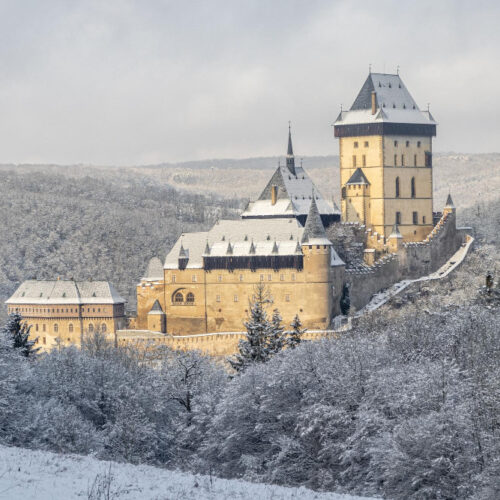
(156,308)
(298,248)
(252,249)
(207,249)
(290,159)
(449,202)
(182,252)
(275,248)
(314,225)
(395,232)
(229,250)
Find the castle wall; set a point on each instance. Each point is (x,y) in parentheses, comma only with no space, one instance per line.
(365,281)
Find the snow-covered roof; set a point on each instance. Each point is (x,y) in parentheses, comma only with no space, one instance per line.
(393,102)
(65,292)
(154,270)
(294,196)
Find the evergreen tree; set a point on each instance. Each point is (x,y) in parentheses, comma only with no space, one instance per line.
(255,348)
(295,335)
(18,331)
(276,340)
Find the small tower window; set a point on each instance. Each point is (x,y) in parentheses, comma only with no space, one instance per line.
(415,218)
(398,218)
(287,298)
(366,144)
(395,144)
(355,144)
(194,278)
(397,187)
(174,278)
(219,278)
(418,144)
(395,160)
(423,219)
(56,327)
(70,328)
(414,160)
(402,160)
(413,192)
(91,328)
(364,160)
(236,298)
(407,144)
(104,328)
(428,159)
(354,160)
(217,298)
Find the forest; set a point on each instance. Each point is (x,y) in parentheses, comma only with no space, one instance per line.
(405,405)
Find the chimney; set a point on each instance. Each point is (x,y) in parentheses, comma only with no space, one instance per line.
(274,194)
(374,104)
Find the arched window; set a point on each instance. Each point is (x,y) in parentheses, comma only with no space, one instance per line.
(56,327)
(397,187)
(70,328)
(413,187)
(103,328)
(91,328)
(178,298)
(190,298)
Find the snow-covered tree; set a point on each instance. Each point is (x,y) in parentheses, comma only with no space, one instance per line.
(255,348)
(294,337)
(18,331)
(276,340)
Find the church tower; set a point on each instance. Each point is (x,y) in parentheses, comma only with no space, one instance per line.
(385,145)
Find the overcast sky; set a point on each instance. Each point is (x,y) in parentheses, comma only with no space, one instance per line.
(131,82)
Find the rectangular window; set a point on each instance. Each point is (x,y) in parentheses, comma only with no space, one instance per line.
(217,298)
(402,160)
(44,340)
(407,144)
(364,160)
(287,298)
(366,144)
(174,278)
(43,329)
(194,278)
(423,219)
(414,160)
(282,277)
(353,160)
(219,278)
(398,218)
(293,276)
(269,277)
(36,327)
(355,144)
(241,277)
(428,159)
(419,144)
(261,277)
(395,144)
(415,217)
(236,298)
(395,160)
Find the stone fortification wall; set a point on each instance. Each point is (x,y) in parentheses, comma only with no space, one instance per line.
(421,258)
(364,281)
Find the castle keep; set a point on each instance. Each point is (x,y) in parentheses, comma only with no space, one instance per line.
(200,295)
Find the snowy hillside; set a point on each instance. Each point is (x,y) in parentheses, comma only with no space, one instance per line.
(27,474)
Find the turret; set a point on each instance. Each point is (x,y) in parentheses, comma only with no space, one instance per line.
(290,159)
(157,319)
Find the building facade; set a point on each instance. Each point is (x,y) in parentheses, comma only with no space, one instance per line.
(385,144)
(64,311)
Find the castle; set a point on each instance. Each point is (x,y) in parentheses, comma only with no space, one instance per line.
(200,295)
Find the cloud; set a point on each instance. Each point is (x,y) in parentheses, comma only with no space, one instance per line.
(127,82)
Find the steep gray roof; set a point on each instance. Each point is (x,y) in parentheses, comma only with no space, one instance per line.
(294,196)
(65,292)
(314,231)
(154,271)
(358,177)
(156,309)
(394,103)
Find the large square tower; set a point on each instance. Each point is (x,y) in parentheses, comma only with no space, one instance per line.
(386,159)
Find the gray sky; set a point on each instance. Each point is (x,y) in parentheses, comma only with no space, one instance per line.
(132,82)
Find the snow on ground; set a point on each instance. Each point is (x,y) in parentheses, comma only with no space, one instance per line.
(27,474)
